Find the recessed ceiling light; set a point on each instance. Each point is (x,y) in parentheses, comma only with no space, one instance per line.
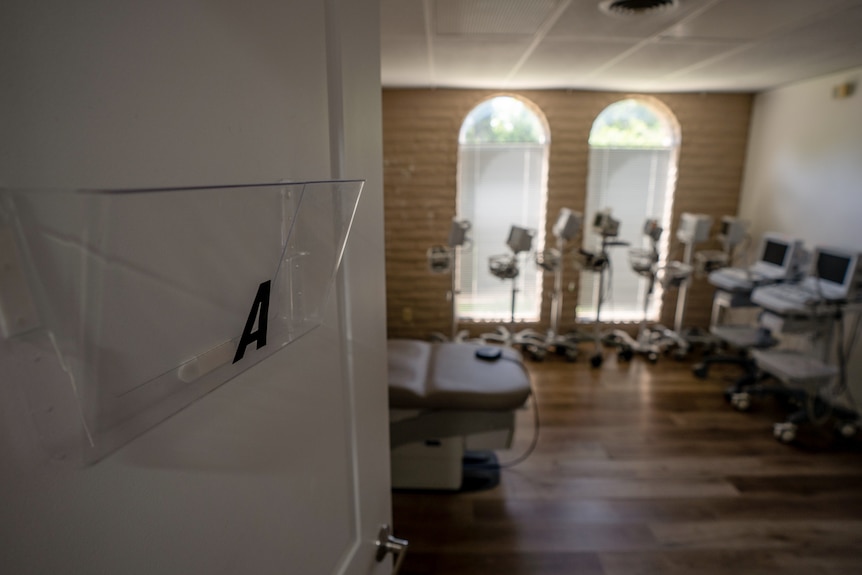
(636,7)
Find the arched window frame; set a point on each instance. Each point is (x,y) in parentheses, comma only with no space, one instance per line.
(631,230)
(473,279)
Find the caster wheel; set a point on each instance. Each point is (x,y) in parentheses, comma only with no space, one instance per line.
(571,355)
(847,430)
(652,357)
(784,432)
(700,371)
(537,355)
(741,401)
(596,360)
(626,354)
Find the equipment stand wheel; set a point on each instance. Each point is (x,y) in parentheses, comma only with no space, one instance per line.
(784,432)
(740,401)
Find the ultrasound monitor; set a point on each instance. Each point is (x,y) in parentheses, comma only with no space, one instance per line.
(777,256)
(775,252)
(568,224)
(834,273)
(605,224)
(832,268)
(520,239)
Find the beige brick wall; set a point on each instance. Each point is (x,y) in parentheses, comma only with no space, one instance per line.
(420,151)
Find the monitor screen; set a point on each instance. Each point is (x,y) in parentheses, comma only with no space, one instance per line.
(832,267)
(774,252)
(599,220)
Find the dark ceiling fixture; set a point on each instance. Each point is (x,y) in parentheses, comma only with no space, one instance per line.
(636,7)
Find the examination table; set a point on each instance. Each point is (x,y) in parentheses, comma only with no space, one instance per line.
(445,401)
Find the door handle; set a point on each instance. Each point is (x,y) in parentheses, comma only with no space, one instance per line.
(386,543)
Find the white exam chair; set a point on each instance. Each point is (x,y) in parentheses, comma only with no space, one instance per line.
(443,401)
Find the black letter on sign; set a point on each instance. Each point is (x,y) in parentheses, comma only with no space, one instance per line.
(259,311)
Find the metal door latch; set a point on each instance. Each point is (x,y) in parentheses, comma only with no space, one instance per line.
(386,543)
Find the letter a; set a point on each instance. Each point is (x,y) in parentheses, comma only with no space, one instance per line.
(259,311)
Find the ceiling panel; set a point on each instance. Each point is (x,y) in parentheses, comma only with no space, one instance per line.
(402,18)
(562,63)
(818,48)
(659,58)
(457,17)
(751,19)
(486,62)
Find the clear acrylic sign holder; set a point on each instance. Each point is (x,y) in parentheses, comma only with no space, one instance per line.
(154,297)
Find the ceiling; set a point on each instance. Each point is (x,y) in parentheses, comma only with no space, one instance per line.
(697,45)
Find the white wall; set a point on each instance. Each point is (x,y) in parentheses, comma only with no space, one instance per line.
(804,165)
(804,168)
(105,93)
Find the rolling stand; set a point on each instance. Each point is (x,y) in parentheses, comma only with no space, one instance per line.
(693,229)
(607,227)
(567,228)
(443,259)
(651,341)
(506,267)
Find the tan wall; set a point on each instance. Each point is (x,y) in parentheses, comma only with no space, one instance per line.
(420,151)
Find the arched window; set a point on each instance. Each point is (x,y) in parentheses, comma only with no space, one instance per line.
(502,181)
(634,145)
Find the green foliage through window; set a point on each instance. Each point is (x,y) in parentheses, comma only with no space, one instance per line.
(502,120)
(630,124)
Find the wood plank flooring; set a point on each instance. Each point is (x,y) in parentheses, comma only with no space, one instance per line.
(643,469)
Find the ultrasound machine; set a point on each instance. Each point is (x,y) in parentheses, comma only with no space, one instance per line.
(834,279)
(779,259)
(813,374)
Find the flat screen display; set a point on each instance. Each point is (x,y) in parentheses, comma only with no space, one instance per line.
(775,252)
(832,267)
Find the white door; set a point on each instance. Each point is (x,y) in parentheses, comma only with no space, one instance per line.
(277,471)
(284,469)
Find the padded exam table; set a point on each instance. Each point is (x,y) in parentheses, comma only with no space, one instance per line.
(444,401)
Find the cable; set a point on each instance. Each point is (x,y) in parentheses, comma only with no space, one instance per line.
(844,349)
(536,428)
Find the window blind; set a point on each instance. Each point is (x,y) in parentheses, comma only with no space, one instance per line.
(500,185)
(635,183)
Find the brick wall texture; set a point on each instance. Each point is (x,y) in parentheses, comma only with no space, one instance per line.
(420,150)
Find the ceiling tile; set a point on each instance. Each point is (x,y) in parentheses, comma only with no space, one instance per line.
(656,59)
(402,18)
(818,48)
(463,17)
(566,62)
(485,62)
(751,19)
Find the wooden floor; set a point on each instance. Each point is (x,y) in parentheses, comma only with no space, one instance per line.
(644,469)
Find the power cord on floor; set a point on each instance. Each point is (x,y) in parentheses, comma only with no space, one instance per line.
(536,428)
